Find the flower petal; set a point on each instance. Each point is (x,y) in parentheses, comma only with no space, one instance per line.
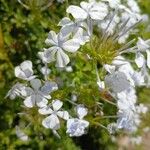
(65,21)
(139,60)
(52,38)
(19,73)
(71,45)
(77,12)
(24,71)
(41,101)
(45,110)
(49,87)
(29,101)
(62,59)
(26,65)
(63,114)
(81,111)
(36,84)
(57,104)
(51,122)
(48,55)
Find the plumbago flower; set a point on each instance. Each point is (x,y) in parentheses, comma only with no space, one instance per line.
(38,94)
(93,10)
(77,126)
(15,91)
(24,71)
(59,44)
(100,31)
(52,121)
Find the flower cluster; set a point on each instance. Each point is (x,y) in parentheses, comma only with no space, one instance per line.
(114,22)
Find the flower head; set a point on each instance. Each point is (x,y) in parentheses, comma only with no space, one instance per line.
(52,120)
(59,44)
(38,94)
(75,126)
(24,71)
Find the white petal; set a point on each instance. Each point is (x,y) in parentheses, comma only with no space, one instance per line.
(48,55)
(65,21)
(109,68)
(52,38)
(98,11)
(139,60)
(29,101)
(57,104)
(77,12)
(67,30)
(26,91)
(86,5)
(63,114)
(45,70)
(142,45)
(51,122)
(82,36)
(71,45)
(36,84)
(45,110)
(117,82)
(62,59)
(41,101)
(21,135)
(24,71)
(148,58)
(26,65)
(19,73)
(81,111)
(49,87)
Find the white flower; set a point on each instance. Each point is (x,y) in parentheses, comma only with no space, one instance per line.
(127,120)
(126,105)
(15,91)
(93,10)
(52,121)
(117,82)
(45,71)
(122,65)
(75,126)
(140,60)
(143,46)
(59,44)
(129,96)
(24,71)
(78,29)
(38,94)
(138,78)
(81,111)
(21,135)
(133,6)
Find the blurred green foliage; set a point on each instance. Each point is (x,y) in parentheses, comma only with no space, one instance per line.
(22,35)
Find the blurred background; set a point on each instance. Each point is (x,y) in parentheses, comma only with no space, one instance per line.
(23,30)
